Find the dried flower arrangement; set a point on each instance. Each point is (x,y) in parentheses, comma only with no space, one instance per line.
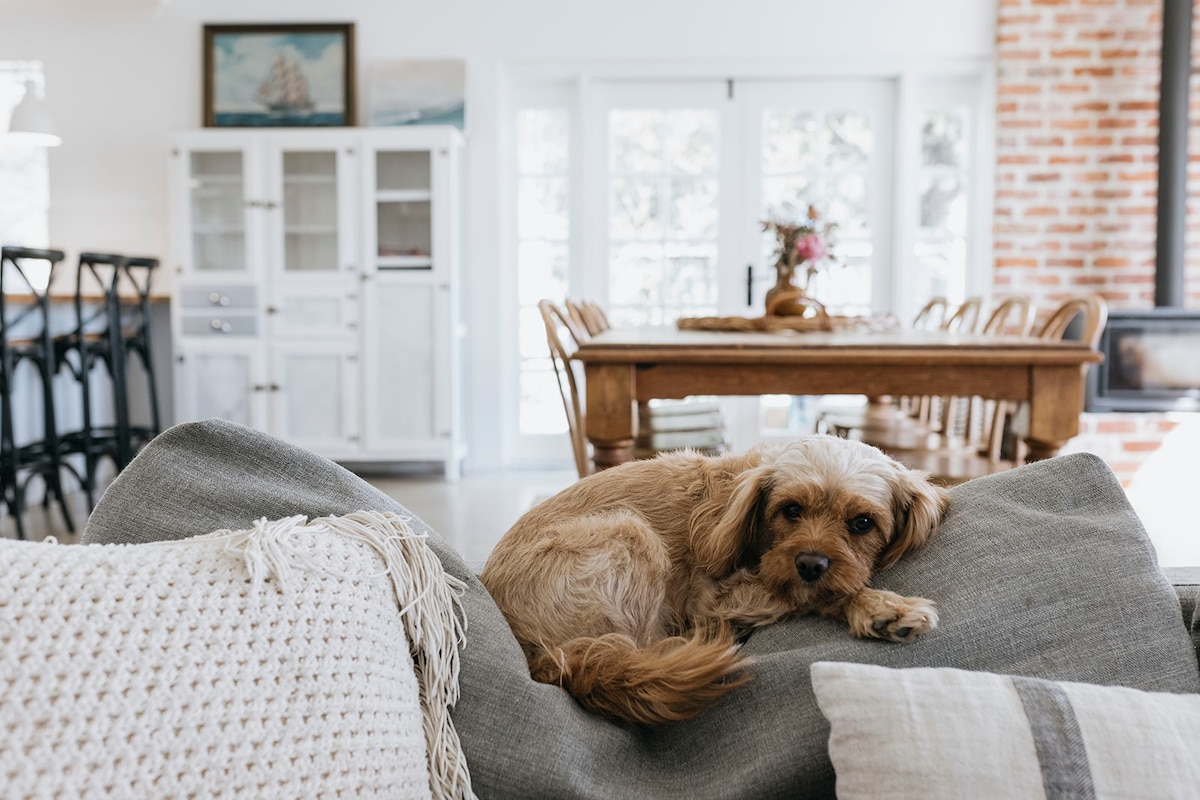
(808,244)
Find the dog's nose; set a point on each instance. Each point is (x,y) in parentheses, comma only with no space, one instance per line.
(811,566)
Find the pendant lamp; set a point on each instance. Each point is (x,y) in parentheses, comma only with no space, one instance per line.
(31,124)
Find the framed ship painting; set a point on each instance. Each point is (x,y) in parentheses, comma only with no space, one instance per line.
(279,75)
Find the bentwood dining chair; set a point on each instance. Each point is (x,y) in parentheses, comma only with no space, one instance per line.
(588,315)
(945,419)
(954,457)
(560,337)
(906,419)
(1012,316)
(691,423)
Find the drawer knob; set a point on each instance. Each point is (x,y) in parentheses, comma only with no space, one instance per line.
(219,299)
(220,326)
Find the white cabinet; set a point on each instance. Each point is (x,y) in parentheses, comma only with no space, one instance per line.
(316,295)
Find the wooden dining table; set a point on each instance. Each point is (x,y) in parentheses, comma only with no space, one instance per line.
(627,366)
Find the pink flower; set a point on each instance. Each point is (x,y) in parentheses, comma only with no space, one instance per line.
(810,248)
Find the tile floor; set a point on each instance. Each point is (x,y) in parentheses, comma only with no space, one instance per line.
(474,512)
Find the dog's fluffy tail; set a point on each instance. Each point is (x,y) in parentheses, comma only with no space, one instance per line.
(664,681)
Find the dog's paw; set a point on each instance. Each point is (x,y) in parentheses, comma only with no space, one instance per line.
(886,615)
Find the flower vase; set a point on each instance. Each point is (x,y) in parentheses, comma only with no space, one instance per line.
(785,284)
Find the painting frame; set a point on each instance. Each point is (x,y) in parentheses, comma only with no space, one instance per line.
(279,75)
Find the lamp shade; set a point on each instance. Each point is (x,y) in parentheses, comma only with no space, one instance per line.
(31,124)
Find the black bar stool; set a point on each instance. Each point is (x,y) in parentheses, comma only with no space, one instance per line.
(112,327)
(25,338)
(93,347)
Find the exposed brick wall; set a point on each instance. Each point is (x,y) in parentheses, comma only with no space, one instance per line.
(1076,172)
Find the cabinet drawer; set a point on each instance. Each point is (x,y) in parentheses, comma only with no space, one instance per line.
(220,325)
(243,297)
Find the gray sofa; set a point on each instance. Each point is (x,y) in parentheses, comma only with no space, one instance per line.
(1044,571)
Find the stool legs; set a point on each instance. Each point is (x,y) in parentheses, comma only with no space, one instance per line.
(25,340)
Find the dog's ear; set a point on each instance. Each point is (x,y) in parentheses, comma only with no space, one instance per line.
(919,506)
(738,538)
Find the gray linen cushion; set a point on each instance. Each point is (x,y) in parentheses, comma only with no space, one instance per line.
(1042,571)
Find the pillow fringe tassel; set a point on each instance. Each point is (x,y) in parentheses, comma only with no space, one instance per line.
(428,598)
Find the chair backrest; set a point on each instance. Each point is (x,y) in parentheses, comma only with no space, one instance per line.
(136,272)
(932,315)
(1012,316)
(26,271)
(1094,311)
(588,315)
(576,320)
(97,274)
(965,318)
(561,340)
(1094,316)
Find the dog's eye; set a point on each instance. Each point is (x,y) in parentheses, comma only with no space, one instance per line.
(860,525)
(793,511)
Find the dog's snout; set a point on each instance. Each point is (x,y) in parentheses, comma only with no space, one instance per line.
(811,566)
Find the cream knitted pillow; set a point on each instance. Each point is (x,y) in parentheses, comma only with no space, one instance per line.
(274,662)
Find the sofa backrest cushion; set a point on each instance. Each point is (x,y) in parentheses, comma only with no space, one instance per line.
(1042,571)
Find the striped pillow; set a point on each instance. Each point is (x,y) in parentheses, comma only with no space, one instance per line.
(948,733)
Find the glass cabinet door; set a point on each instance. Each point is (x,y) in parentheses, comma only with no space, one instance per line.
(310,212)
(217,194)
(403,214)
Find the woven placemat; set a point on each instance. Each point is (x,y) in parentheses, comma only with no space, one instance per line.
(763,323)
(786,311)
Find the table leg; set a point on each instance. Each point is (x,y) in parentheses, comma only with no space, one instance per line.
(1055,403)
(611,412)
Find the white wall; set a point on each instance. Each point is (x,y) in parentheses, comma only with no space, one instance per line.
(122,74)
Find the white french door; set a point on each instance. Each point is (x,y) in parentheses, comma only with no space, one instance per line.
(664,166)
(686,173)
(830,144)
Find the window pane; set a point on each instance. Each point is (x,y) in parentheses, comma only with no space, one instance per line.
(541,142)
(636,209)
(663,214)
(848,140)
(942,140)
(543,252)
(943,205)
(693,208)
(542,208)
(789,141)
(634,141)
(690,142)
(543,271)
(636,274)
(541,404)
(941,247)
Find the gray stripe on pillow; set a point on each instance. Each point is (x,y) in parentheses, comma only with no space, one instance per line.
(1066,774)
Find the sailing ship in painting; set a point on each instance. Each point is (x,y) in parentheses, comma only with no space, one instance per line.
(284,91)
